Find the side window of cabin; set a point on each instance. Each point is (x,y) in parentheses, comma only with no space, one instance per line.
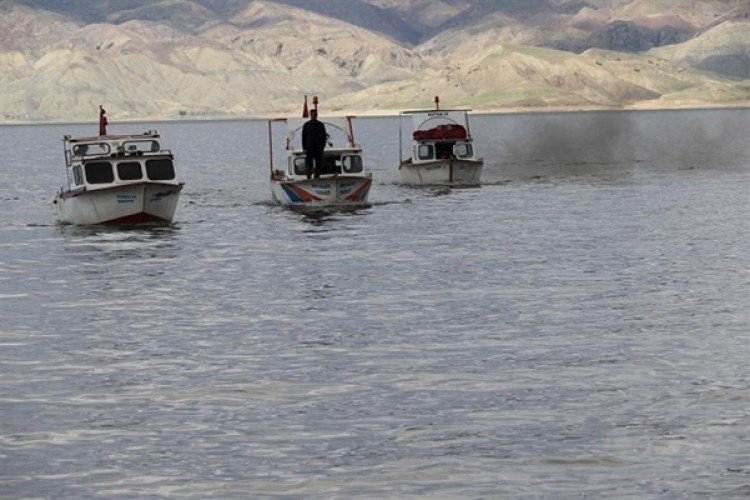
(352,163)
(464,150)
(425,152)
(160,170)
(77,175)
(99,172)
(129,171)
(299,165)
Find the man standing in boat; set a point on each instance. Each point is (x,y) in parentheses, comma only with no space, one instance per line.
(314,139)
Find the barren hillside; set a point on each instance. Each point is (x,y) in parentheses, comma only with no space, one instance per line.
(148,59)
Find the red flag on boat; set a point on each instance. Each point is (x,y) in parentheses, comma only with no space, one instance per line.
(305,112)
(102,121)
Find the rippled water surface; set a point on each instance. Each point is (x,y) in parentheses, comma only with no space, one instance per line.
(578,327)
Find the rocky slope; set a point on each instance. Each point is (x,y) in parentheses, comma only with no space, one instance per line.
(149,59)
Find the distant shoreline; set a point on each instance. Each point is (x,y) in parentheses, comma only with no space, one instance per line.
(513,110)
(520,110)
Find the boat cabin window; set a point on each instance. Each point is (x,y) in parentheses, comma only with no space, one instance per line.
(129,171)
(351,163)
(330,165)
(160,170)
(464,150)
(149,146)
(77,175)
(99,148)
(300,168)
(444,149)
(99,172)
(425,152)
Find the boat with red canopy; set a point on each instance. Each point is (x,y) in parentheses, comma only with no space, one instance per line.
(442,148)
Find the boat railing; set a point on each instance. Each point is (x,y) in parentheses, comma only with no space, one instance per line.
(342,126)
(110,146)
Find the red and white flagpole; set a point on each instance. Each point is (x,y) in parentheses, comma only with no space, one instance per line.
(102,121)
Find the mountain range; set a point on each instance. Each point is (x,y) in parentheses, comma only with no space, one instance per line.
(168,59)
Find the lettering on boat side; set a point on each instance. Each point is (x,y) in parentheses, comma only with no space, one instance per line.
(321,189)
(126,198)
(159,196)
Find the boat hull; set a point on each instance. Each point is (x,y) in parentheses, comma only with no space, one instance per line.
(339,190)
(449,172)
(122,204)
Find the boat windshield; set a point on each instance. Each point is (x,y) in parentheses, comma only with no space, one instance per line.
(332,164)
(160,170)
(300,165)
(464,150)
(99,172)
(351,163)
(425,152)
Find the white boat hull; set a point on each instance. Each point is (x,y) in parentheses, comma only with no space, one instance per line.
(122,204)
(449,172)
(334,190)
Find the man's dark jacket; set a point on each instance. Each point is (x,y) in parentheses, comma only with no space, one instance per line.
(314,136)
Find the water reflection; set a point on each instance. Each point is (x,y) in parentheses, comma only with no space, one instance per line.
(109,243)
(322,216)
(95,229)
(316,214)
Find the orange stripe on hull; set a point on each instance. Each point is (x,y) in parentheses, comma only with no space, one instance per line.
(360,193)
(304,196)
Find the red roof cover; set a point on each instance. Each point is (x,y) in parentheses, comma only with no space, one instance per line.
(448,131)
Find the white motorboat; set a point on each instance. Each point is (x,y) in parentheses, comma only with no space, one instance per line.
(442,149)
(118,179)
(343,180)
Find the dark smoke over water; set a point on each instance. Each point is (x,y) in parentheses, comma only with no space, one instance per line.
(612,143)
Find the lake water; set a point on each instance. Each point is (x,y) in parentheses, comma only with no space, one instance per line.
(578,327)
